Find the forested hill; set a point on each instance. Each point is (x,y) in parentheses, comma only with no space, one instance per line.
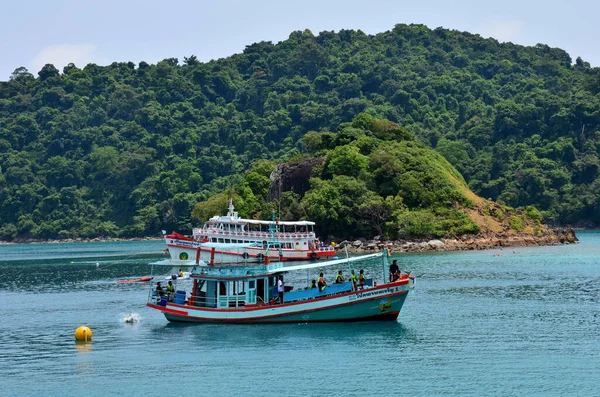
(129,149)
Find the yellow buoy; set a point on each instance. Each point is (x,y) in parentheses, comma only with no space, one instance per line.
(83,333)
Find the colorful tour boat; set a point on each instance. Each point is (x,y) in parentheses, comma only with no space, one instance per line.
(252,295)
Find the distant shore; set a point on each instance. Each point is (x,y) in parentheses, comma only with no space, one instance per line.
(78,240)
(555,236)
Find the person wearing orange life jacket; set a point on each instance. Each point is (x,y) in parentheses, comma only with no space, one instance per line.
(339,278)
(361,279)
(321,283)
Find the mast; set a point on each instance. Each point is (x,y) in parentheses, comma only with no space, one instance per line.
(230,208)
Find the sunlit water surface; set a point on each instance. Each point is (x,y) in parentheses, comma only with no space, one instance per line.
(525,323)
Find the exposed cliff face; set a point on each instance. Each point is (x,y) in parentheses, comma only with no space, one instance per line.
(293,176)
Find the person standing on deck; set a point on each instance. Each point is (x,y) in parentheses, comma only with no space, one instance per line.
(394,271)
(321,283)
(159,290)
(280,289)
(353,279)
(339,278)
(361,279)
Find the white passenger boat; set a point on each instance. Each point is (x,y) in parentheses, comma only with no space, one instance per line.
(233,239)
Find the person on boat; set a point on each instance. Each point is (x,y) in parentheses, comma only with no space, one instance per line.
(339,278)
(170,290)
(180,273)
(280,289)
(313,285)
(361,279)
(353,278)
(394,271)
(321,283)
(159,290)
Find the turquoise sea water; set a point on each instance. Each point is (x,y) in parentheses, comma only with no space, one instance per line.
(524,324)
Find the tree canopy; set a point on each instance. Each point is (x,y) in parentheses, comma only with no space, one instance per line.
(130,149)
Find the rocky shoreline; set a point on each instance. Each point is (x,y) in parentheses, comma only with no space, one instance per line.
(556,236)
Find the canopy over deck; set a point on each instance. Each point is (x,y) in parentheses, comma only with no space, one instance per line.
(245,271)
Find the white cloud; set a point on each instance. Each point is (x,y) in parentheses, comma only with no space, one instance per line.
(61,55)
(504,31)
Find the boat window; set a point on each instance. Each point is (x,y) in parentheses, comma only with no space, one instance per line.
(251,283)
(220,240)
(227,241)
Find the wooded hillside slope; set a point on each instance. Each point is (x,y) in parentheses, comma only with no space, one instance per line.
(130,149)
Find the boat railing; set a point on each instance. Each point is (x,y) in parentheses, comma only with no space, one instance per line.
(255,234)
(179,297)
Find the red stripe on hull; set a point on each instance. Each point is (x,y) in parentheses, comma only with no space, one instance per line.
(251,254)
(167,310)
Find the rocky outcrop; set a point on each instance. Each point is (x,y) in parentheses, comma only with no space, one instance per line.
(465,243)
(293,176)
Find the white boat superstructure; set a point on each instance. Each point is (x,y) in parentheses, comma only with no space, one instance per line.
(230,238)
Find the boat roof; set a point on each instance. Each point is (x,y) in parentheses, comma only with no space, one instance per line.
(227,219)
(244,271)
(175,263)
(334,262)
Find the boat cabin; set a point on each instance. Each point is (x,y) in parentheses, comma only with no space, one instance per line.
(234,287)
(237,287)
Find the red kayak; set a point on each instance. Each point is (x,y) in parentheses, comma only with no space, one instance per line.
(137,280)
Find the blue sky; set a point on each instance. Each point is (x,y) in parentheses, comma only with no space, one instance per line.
(103,31)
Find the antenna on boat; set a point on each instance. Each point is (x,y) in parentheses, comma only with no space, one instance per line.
(386,253)
(230,208)
(279,201)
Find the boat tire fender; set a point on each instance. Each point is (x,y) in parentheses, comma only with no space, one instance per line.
(245,255)
(313,255)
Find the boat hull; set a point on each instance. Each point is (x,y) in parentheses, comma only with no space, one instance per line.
(381,303)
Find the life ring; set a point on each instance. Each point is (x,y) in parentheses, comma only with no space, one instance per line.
(313,255)
(245,255)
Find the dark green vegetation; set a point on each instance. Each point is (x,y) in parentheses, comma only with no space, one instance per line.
(129,149)
(376,179)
